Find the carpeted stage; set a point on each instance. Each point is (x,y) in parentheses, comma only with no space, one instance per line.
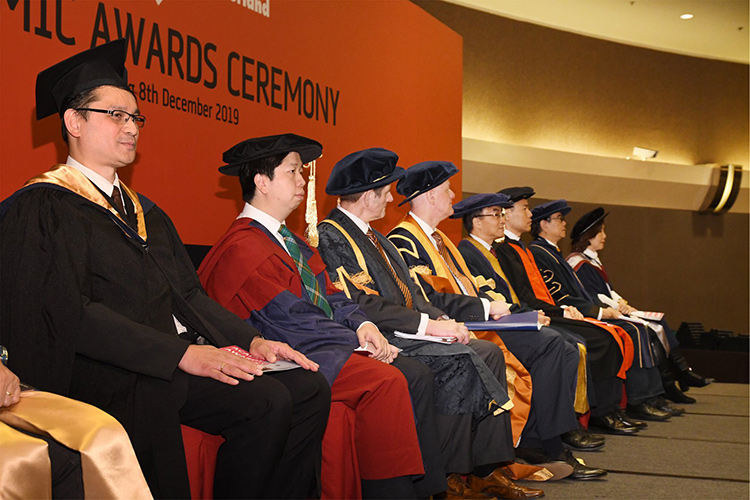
(701,455)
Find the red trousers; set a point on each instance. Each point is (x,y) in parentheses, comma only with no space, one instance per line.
(371,432)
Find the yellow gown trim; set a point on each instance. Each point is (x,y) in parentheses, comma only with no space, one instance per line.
(73,180)
(110,468)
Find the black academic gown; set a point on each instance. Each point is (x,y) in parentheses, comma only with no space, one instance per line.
(595,281)
(495,285)
(567,289)
(550,360)
(87,311)
(604,354)
(643,381)
(353,262)
(547,354)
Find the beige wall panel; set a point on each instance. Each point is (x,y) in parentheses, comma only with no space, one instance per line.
(593,179)
(540,87)
(533,94)
(583,187)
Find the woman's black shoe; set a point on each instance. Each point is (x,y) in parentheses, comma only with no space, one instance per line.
(689,378)
(675,395)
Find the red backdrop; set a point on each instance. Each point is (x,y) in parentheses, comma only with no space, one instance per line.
(370,73)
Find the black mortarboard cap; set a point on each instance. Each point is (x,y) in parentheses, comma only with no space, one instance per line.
(587,221)
(518,193)
(477,202)
(550,208)
(364,170)
(424,176)
(58,84)
(272,145)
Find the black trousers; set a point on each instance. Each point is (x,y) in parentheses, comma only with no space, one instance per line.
(553,365)
(492,436)
(273,427)
(422,390)
(603,363)
(65,468)
(643,384)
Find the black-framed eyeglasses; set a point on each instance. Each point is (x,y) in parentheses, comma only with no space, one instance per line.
(561,218)
(119,116)
(494,214)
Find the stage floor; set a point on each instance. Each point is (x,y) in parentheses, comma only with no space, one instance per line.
(700,455)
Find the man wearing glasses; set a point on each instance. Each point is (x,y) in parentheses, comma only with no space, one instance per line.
(643,384)
(441,270)
(100,303)
(483,217)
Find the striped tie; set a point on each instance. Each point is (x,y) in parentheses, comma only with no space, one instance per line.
(465,282)
(401,285)
(308,278)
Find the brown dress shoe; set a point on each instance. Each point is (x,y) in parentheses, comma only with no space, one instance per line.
(458,489)
(499,485)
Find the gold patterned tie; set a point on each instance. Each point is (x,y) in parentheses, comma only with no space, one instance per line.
(466,283)
(401,285)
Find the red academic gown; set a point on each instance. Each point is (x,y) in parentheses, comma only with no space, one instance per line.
(371,432)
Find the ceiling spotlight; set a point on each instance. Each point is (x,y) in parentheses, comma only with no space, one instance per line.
(686,16)
(644,153)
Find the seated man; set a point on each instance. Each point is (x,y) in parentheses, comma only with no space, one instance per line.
(272,279)
(483,217)
(442,272)
(643,383)
(42,451)
(610,350)
(587,239)
(94,284)
(474,436)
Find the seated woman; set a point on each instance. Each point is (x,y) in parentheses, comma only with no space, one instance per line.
(588,239)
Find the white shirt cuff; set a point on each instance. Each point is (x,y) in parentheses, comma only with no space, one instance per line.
(486,304)
(422,328)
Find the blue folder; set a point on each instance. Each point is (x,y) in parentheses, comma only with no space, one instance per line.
(521,321)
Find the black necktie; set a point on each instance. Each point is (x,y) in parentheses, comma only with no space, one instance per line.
(117,198)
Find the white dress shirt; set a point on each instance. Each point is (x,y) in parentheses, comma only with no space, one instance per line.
(428,231)
(272,225)
(264,220)
(103,184)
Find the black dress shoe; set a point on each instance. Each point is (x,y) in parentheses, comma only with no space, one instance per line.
(689,378)
(612,425)
(675,395)
(647,412)
(629,421)
(662,404)
(581,440)
(582,472)
(559,468)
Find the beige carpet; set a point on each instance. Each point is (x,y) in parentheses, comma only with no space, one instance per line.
(701,455)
